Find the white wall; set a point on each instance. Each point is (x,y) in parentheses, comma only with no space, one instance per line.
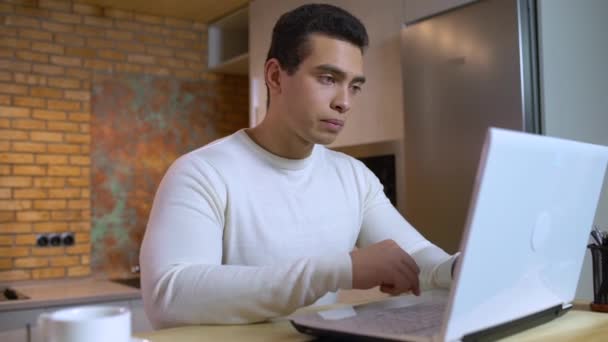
(574,76)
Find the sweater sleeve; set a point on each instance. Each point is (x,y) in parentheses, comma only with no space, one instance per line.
(382,221)
(183,279)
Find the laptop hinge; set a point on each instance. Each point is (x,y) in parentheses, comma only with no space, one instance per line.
(517,325)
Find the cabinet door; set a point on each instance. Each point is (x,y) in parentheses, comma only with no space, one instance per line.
(14,335)
(379,113)
(138,316)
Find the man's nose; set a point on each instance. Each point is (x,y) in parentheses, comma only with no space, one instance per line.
(341,102)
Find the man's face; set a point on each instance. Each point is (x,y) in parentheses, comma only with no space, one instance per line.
(319,95)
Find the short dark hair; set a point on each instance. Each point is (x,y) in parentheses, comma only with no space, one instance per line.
(290,33)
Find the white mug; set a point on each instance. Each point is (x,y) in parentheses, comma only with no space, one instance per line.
(87,323)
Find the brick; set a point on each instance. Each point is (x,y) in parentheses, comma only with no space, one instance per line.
(78,95)
(7,216)
(13,227)
(9,88)
(31,10)
(49,182)
(29,193)
(113,55)
(119,35)
(159,51)
(90,31)
(79,204)
(15,205)
(129,68)
(26,101)
(64,148)
(85,128)
(69,39)
(48,273)
(82,226)
(5,193)
(80,160)
(62,126)
(55,170)
(4,146)
(28,124)
(6,76)
(15,182)
(58,5)
(65,261)
(148,19)
(142,59)
(85,193)
(158,71)
(45,92)
(183,34)
(14,112)
(46,136)
(32,56)
(79,271)
(14,275)
(128,25)
(5,99)
(30,79)
(98,64)
(35,34)
(86,149)
(47,48)
(28,147)
(29,170)
(31,216)
(14,43)
(78,249)
(22,21)
(66,18)
(81,74)
(171,62)
(15,66)
(63,105)
(57,27)
(49,114)
(77,138)
(66,61)
(130,47)
(14,251)
(7,263)
(6,8)
(6,241)
(47,251)
(82,181)
(67,83)
(48,227)
(118,14)
(25,239)
(16,158)
(88,9)
(52,159)
(98,21)
(97,43)
(65,215)
(31,262)
(47,69)
(50,204)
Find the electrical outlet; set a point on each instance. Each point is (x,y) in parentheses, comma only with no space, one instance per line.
(67,239)
(42,240)
(54,240)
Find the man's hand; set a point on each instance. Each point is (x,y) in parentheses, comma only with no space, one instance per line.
(385,264)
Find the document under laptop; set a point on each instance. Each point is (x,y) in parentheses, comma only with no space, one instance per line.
(533,206)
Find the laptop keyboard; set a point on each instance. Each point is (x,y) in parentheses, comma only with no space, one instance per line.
(422,319)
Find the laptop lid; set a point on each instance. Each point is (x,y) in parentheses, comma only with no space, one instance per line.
(532,208)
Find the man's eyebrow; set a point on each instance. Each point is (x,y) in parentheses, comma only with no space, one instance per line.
(339,73)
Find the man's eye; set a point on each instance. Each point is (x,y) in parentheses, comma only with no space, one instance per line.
(355,89)
(325,79)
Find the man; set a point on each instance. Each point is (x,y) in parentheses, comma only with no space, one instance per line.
(262,222)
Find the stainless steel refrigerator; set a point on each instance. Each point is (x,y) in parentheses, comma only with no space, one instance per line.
(464,70)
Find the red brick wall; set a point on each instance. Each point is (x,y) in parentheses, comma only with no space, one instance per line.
(50,54)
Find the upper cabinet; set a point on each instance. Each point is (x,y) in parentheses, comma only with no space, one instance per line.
(379,115)
(228,44)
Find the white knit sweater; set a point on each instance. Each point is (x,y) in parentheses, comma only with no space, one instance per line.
(237,234)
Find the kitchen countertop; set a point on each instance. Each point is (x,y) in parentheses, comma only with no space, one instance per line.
(62,292)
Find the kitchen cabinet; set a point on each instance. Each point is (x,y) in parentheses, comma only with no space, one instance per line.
(14,325)
(379,116)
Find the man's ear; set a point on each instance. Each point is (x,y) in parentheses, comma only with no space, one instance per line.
(272,76)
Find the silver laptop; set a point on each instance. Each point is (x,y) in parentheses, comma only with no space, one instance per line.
(533,206)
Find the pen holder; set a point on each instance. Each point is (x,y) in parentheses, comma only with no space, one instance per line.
(599,256)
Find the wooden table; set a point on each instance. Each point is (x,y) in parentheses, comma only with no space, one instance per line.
(577,325)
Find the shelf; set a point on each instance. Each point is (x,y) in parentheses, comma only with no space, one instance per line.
(238,65)
(228,44)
